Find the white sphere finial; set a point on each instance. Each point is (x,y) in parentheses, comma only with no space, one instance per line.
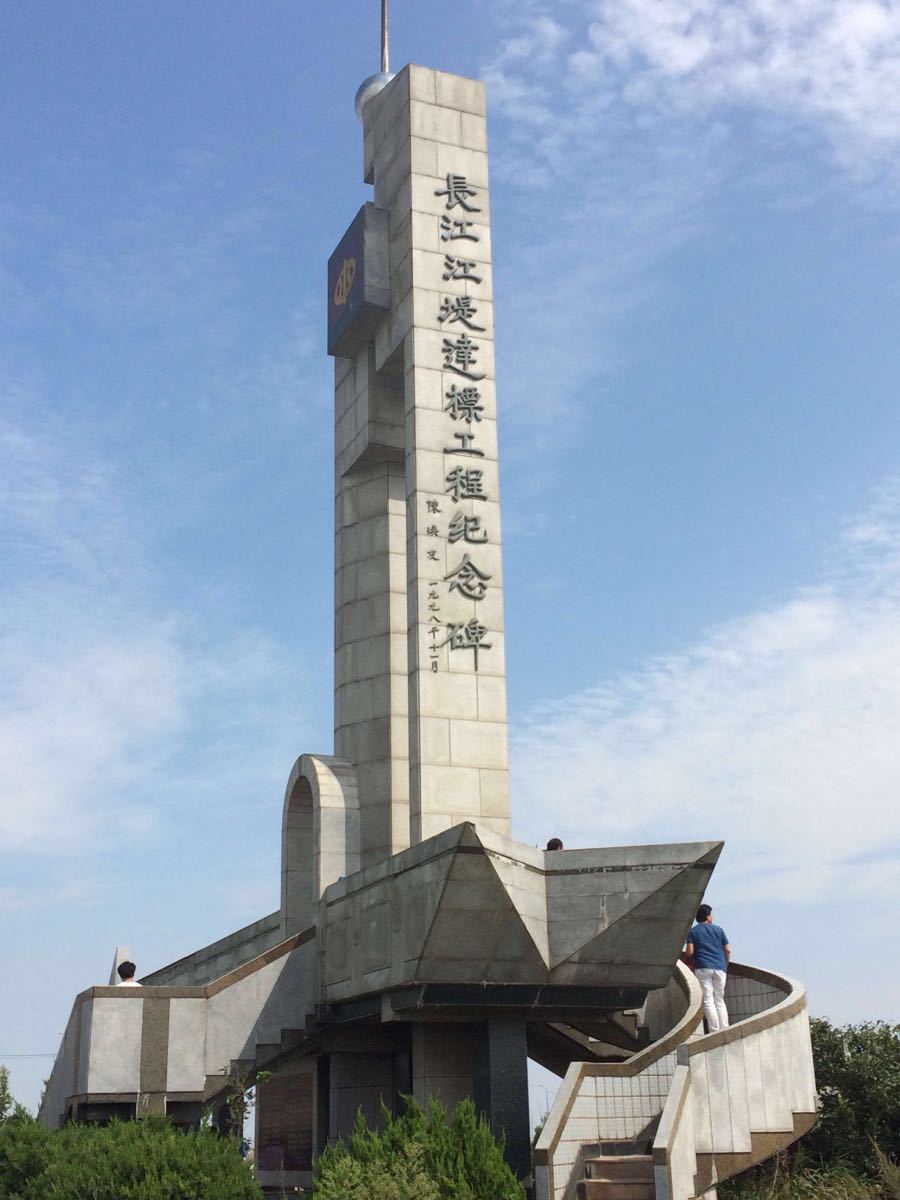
(369,88)
(373,85)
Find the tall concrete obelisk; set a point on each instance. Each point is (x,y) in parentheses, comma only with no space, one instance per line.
(420,669)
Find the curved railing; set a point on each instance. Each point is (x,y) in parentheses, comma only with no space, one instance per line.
(724,1101)
(741,1094)
(600,1102)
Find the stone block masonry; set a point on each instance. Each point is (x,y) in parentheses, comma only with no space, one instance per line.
(426,155)
(420,687)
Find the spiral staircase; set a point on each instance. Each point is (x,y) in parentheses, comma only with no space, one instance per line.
(691,1109)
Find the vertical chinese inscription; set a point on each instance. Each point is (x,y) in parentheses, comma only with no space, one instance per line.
(465,481)
(431,173)
(425,149)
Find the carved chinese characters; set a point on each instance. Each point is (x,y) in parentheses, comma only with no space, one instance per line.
(466,482)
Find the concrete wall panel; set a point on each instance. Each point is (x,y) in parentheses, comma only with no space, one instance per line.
(115,1046)
(186,1059)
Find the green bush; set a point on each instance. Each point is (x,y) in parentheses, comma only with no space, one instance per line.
(6,1100)
(133,1160)
(403,1178)
(852,1152)
(418,1156)
(889,1173)
(858,1077)
(801,1181)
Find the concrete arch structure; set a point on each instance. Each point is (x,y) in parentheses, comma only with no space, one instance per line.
(319,835)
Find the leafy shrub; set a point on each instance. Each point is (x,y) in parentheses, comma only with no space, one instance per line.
(852,1151)
(418,1156)
(133,1160)
(801,1181)
(23,1154)
(890,1175)
(858,1077)
(6,1100)
(403,1178)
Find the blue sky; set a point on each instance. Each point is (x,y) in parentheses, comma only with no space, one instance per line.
(697,264)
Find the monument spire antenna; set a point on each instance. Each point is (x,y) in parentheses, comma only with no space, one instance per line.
(385,40)
(373,85)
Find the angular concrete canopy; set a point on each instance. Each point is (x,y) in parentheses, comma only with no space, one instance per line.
(470,905)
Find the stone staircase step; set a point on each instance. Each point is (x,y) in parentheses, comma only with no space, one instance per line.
(618,1177)
(605,1189)
(628,1021)
(292,1037)
(628,1147)
(608,1032)
(620,1168)
(266,1051)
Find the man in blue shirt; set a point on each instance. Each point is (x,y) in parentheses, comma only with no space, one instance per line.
(708,948)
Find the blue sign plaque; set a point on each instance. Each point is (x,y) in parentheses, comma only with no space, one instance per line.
(359,293)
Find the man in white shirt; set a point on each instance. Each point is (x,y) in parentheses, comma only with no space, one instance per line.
(126,972)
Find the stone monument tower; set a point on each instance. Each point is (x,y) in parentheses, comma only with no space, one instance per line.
(459,946)
(420,700)
(417,947)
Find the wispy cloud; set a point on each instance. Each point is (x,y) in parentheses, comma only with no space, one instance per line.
(832,63)
(160,379)
(288,379)
(108,689)
(49,895)
(776,731)
(58,510)
(166,267)
(592,206)
(624,126)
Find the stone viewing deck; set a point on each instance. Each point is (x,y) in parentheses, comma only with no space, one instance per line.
(464,951)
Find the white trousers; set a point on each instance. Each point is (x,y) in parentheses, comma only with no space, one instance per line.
(712,982)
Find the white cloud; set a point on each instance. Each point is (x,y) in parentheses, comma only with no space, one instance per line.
(85,704)
(832,63)
(287,379)
(119,695)
(835,62)
(58,510)
(111,703)
(49,895)
(591,210)
(624,125)
(776,731)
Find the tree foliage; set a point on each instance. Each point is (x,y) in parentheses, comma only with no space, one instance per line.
(858,1078)
(403,1177)
(853,1151)
(126,1160)
(6,1100)
(418,1156)
(802,1180)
